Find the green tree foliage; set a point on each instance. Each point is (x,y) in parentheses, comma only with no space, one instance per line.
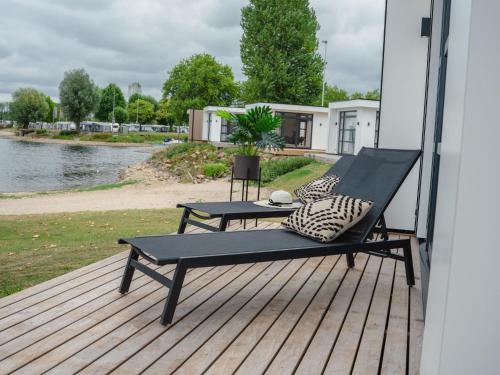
(142,111)
(333,94)
(28,105)
(279,51)
(51,116)
(121,115)
(163,115)
(373,95)
(147,98)
(197,82)
(105,106)
(357,95)
(78,96)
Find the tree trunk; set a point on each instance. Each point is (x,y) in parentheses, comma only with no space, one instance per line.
(77,124)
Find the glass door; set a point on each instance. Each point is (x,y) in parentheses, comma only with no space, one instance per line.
(296,129)
(226,127)
(347,132)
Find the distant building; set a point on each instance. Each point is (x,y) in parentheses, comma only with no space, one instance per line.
(342,128)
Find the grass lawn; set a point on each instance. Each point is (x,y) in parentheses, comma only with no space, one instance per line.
(292,180)
(35,248)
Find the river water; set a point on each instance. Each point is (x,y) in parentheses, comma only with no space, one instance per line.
(28,166)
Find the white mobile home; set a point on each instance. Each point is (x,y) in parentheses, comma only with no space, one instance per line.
(215,128)
(440,81)
(304,127)
(352,124)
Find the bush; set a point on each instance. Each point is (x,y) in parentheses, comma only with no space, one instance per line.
(274,168)
(186,147)
(41,131)
(215,169)
(68,132)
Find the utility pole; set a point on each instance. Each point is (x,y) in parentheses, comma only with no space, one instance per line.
(114,91)
(325,42)
(137,113)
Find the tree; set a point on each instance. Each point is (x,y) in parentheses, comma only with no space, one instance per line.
(28,105)
(147,98)
(50,113)
(78,95)
(333,94)
(105,106)
(163,115)
(197,82)
(121,115)
(357,95)
(373,95)
(141,111)
(279,51)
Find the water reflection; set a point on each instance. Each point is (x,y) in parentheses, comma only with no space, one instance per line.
(26,166)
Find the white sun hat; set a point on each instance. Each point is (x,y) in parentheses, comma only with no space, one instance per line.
(279,199)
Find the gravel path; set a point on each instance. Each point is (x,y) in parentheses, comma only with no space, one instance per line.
(153,195)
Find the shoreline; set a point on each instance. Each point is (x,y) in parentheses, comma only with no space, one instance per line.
(7,134)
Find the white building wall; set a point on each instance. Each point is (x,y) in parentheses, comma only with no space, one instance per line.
(320,131)
(365,131)
(462,334)
(403,97)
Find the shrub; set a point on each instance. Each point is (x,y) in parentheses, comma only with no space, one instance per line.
(215,169)
(41,131)
(274,168)
(68,132)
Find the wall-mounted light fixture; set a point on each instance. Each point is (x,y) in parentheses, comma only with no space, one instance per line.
(426,27)
(368,123)
(335,123)
(358,123)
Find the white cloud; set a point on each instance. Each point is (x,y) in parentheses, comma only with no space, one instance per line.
(124,41)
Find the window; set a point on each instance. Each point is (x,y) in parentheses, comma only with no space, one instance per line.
(296,129)
(226,128)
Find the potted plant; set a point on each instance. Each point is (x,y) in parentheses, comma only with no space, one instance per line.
(252,131)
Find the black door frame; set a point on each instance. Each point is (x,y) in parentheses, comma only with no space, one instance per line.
(341,133)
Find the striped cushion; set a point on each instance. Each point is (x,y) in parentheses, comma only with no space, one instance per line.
(317,189)
(327,218)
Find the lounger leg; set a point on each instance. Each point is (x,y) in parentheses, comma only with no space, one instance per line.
(182,224)
(350,259)
(410,275)
(129,272)
(173,295)
(223,224)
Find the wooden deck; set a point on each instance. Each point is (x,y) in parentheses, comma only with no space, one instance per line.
(305,316)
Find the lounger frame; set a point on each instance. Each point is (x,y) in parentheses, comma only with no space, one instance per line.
(357,239)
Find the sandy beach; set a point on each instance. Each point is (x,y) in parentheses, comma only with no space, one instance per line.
(164,194)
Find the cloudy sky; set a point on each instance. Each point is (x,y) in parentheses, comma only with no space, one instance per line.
(123,41)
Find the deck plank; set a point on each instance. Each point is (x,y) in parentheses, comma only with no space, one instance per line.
(304,315)
(394,359)
(370,347)
(264,352)
(291,351)
(344,351)
(316,355)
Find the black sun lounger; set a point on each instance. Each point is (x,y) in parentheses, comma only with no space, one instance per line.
(227,211)
(375,174)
